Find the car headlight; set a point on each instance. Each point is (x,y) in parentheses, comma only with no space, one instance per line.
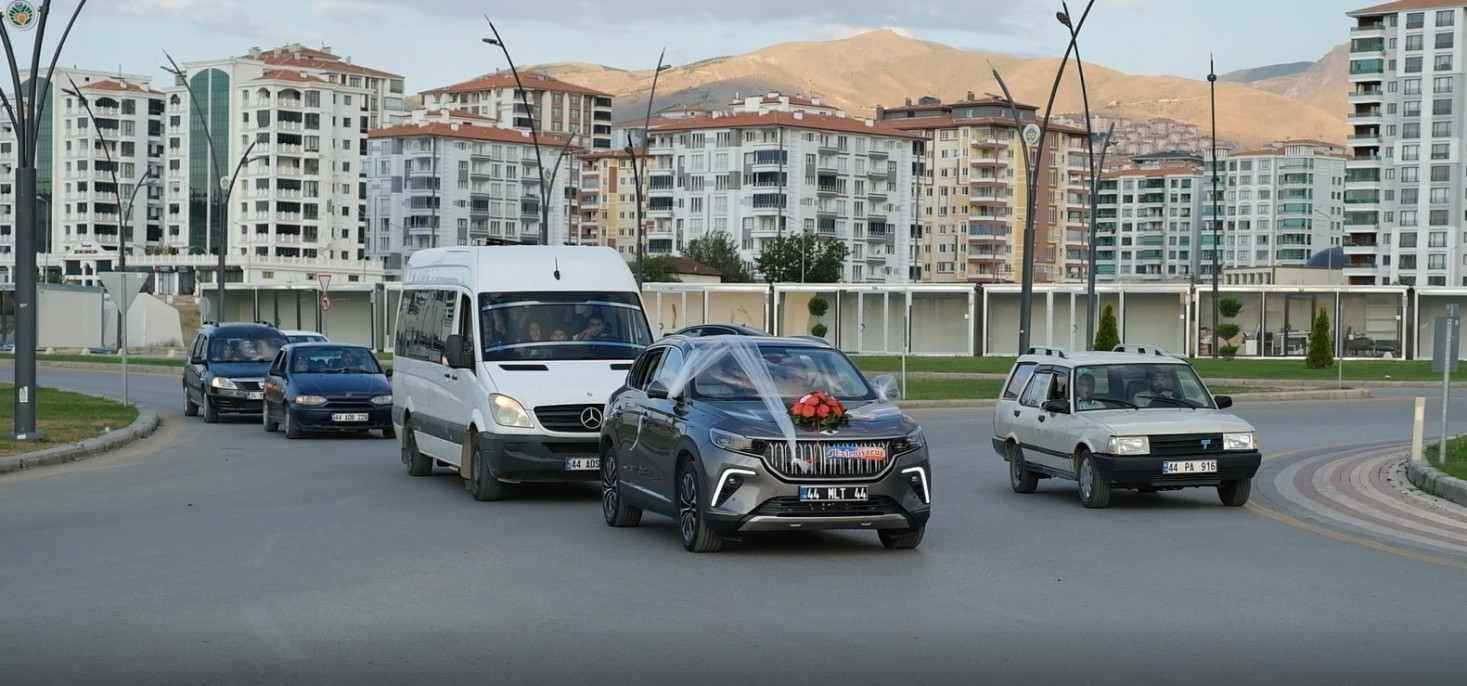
(309,400)
(509,412)
(1240,441)
(733,442)
(1128,445)
(221,382)
(910,442)
(382,400)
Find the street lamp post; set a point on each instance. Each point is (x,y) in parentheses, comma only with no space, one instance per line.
(498,42)
(1216,219)
(124,208)
(25,118)
(1092,300)
(1026,297)
(637,172)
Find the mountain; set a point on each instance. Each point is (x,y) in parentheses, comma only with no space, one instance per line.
(1323,84)
(1272,71)
(886,68)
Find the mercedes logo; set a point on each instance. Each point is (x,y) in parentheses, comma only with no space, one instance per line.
(591,418)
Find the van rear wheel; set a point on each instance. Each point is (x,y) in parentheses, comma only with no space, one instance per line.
(481,484)
(417,463)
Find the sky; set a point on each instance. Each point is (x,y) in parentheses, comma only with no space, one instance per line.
(437,42)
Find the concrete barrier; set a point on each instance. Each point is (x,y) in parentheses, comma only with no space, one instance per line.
(1436,482)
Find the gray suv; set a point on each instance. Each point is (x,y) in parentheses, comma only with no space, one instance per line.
(697,433)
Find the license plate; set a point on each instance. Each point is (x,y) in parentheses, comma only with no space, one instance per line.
(580,464)
(351,417)
(846,451)
(257,395)
(832,493)
(1190,467)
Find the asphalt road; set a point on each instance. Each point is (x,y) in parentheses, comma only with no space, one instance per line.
(222,554)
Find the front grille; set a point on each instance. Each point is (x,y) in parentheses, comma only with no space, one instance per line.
(1185,444)
(810,461)
(350,405)
(790,506)
(567,418)
(247,385)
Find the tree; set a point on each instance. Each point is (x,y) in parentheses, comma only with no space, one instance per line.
(660,269)
(719,251)
(1107,335)
(802,258)
(1228,308)
(1321,348)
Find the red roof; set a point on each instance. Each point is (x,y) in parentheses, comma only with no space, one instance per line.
(288,75)
(820,122)
(299,57)
(118,87)
(467,131)
(533,81)
(1402,5)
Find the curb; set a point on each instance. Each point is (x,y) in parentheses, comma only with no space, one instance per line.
(1433,481)
(1282,396)
(1265,383)
(142,427)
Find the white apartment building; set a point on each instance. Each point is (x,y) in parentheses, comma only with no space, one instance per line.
(771,167)
(1149,223)
(446,178)
(1404,189)
(296,209)
(80,166)
(557,107)
(1285,203)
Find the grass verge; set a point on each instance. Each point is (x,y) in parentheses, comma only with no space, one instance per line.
(1456,463)
(1207,368)
(64,417)
(988,389)
(132,360)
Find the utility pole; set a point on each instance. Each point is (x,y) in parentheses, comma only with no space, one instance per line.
(1216,219)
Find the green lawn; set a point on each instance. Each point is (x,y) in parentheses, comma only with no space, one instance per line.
(115,359)
(1208,368)
(1456,457)
(64,418)
(988,389)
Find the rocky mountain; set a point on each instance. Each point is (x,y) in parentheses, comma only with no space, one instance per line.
(886,68)
(1323,84)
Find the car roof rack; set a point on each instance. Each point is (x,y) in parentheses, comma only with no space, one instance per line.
(1048,351)
(1141,349)
(209,322)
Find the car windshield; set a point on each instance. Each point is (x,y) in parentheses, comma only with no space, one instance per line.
(305,338)
(334,360)
(245,348)
(795,370)
(1112,386)
(562,326)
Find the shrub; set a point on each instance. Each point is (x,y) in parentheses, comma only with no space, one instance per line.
(819,330)
(1321,348)
(818,306)
(1107,335)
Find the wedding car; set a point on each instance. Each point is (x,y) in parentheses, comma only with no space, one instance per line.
(1131,418)
(730,435)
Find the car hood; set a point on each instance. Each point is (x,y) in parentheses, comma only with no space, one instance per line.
(336,385)
(240,370)
(754,419)
(1158,421)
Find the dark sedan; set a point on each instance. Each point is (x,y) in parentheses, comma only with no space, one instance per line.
(327,387)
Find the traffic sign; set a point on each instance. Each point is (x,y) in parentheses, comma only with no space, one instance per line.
(1447,341)
(123,286)
(324,281)
(325,303)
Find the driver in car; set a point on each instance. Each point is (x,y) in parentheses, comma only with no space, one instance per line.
(1161,385)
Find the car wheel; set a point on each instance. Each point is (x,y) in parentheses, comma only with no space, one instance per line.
(1094,491)
(389,432)
(211,413)
(270,426)
(691,527)
(1235,493)
(616,511)
(481,484)
(902,539)
(189,408)
(417,463)
(1020,478)
(292,431)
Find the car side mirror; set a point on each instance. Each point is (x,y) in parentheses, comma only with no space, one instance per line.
(459,353)
(658,390)
(387,372)
(1057,406)
(1223,401)
(196,360)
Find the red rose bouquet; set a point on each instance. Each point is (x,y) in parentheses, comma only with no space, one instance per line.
(818,409)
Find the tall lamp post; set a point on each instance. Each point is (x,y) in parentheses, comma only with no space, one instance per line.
(26,115)
(1092,299)
(638,172)
(124,208)
(1216,218)
(1026,297)
(221,203)
(498,42)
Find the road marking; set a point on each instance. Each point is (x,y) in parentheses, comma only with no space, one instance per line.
(167,433)
(1339,535)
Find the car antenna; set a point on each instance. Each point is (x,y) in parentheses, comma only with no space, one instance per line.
(557,269)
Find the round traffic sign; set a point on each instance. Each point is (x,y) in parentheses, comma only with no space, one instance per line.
(325,303)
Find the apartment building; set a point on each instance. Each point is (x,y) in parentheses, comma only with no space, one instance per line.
(608,201)
(1285,203)
(297,206)
(1149,222)
(556,106)
(1404,188)
(773,165)
(442,178)
(973,193)
(81,166)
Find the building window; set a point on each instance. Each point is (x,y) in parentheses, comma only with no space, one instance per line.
(1411,108)
(1442,84)
(1414,42)
(1443,63)
(1446,17)
(1413,65)
(1444,40)
(1415,20)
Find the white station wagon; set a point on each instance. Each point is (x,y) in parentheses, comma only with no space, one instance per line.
(1134,418)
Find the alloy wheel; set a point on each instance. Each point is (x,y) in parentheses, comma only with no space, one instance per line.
(687,506)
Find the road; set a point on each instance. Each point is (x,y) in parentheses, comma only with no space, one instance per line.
(222,554)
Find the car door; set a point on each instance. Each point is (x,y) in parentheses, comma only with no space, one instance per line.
(627,419)
(1029,419)
(662,429)
(1008,401)
(1057,430)
(276,383)
(193,371)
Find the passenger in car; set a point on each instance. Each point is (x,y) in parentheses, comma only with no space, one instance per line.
(1084,392)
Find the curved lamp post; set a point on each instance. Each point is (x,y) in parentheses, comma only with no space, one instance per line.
(1216,217)
(637,173)
(497,41)
(25,118)
(1026,297)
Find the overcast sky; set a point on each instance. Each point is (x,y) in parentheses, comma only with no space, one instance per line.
(436,42)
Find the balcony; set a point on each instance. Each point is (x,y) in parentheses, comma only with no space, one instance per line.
(1366,95)
(987,161)
(1363,67)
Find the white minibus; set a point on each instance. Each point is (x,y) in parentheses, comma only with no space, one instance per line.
(504,359)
